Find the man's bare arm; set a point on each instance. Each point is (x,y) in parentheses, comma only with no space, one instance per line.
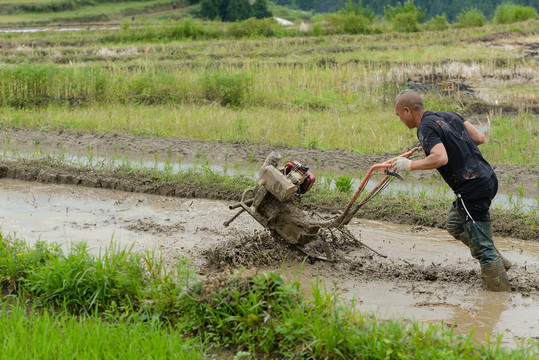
(477,137)
(436,158)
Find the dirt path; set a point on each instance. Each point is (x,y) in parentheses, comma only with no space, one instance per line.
(427,276)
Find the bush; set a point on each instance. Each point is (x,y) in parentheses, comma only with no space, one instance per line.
(511,13)
(80,281)
(437,23)
(185,29)
(153,88)
(351,8)
(347,24)
(226,89)
(405,22)
(253,28)
(471,18)
(390,12)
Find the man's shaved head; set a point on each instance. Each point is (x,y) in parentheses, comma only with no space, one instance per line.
(410,99)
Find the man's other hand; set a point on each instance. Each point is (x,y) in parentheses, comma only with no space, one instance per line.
(401,164)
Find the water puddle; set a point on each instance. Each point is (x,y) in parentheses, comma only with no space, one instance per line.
(467,307)
(153,160)
(66,214)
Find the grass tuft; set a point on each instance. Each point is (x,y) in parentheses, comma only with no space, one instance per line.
(250,313)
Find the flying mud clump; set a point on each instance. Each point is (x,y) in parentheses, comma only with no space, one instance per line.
(258,249)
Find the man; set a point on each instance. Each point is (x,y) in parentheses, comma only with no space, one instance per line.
(450,146)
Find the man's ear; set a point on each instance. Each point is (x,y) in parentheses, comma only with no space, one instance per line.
(407,110)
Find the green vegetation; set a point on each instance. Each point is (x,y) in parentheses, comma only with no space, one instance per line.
(319,93)
(431,8)
(233,10)
(251,81)
(47,6)
(47,12)
(174,314)
(67,336)
(405,17)
(523,146)
(437,23)
(471,18)
(511,13)
(343,183)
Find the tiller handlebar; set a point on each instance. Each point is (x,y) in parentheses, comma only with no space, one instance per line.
(346,216)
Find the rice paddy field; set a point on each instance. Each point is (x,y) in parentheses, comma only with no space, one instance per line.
(136,98)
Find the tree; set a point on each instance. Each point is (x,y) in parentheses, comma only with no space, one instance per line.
(233,10)
(212,9)
(260,9)
(306,4)
(238,10)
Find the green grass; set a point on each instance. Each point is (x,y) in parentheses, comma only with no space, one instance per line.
(30,333)
(118,11)
(319,92)
(521,146)
(181,316)
(506,143)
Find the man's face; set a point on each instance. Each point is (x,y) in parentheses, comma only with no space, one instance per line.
(405,114)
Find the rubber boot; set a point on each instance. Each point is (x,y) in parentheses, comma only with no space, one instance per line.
(506,263)
(483,249)
(495,276)
(456,228)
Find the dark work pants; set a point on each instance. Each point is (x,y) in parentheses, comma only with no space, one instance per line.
(469,221)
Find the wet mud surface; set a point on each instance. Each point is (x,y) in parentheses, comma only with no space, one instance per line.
(426,276)
(144,148)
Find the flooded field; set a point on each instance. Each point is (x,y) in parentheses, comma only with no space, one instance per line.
(427,275)
(518,185)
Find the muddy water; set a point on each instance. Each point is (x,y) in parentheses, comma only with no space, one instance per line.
(505,199)
(67,214)
(464,305)
(515,181)
(427,275)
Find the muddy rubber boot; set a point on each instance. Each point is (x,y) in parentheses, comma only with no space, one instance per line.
(506,263)
(456,229)
(483,249)
(487,231)
(495,276)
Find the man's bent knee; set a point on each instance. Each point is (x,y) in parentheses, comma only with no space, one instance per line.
(455,226)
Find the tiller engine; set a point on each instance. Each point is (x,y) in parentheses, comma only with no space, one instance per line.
(275,204)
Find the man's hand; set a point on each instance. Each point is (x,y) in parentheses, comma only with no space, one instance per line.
(401,164)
